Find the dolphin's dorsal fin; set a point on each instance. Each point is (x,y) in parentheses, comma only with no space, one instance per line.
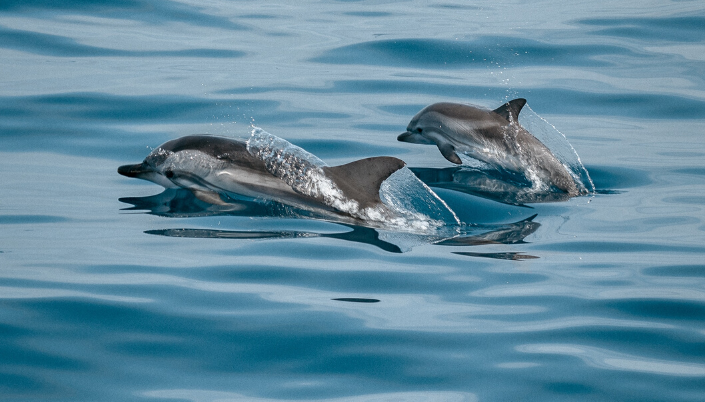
(360,180)
(511,109)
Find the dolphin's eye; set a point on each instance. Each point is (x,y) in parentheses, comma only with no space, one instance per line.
(169,174)
(419,129)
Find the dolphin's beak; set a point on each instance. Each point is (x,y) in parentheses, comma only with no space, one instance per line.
(414,138)
(133,170)
(404,136)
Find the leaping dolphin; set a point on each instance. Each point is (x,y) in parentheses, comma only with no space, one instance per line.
(209,166)
(491,136)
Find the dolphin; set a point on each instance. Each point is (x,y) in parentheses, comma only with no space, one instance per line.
(491,136)
(209,166)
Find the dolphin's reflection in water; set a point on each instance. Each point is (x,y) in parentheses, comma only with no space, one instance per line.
(491,184)
(501,186)
(180,203)
(358,234)
(499,256)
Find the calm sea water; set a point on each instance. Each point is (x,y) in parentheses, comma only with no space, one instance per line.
(113,290)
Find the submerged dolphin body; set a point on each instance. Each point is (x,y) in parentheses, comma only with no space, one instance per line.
(182,203)
(491,136)
(210,166)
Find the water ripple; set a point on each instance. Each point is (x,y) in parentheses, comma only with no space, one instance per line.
(610,360)
(195,395)
(61,46)
(137,10)
(478,53)
(595,292)
(675,29)
(7,292)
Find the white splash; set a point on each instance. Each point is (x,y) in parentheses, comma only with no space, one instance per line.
(559,145)
(408,203)
(396,190)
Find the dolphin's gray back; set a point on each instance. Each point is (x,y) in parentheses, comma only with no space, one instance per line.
(225,149)
(457,111)
(463,120)
(505,114)
(231,168)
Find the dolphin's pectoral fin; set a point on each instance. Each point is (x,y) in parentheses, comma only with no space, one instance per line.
(209,197)
(511,109)
(360,180)
(448,152)
(529,219)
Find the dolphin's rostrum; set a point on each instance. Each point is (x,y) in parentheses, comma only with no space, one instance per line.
(491,136)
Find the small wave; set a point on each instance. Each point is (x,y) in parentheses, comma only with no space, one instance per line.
(610,360)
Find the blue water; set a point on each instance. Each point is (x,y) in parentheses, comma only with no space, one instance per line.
(111,290)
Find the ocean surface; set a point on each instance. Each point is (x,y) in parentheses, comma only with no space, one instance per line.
(112,289)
